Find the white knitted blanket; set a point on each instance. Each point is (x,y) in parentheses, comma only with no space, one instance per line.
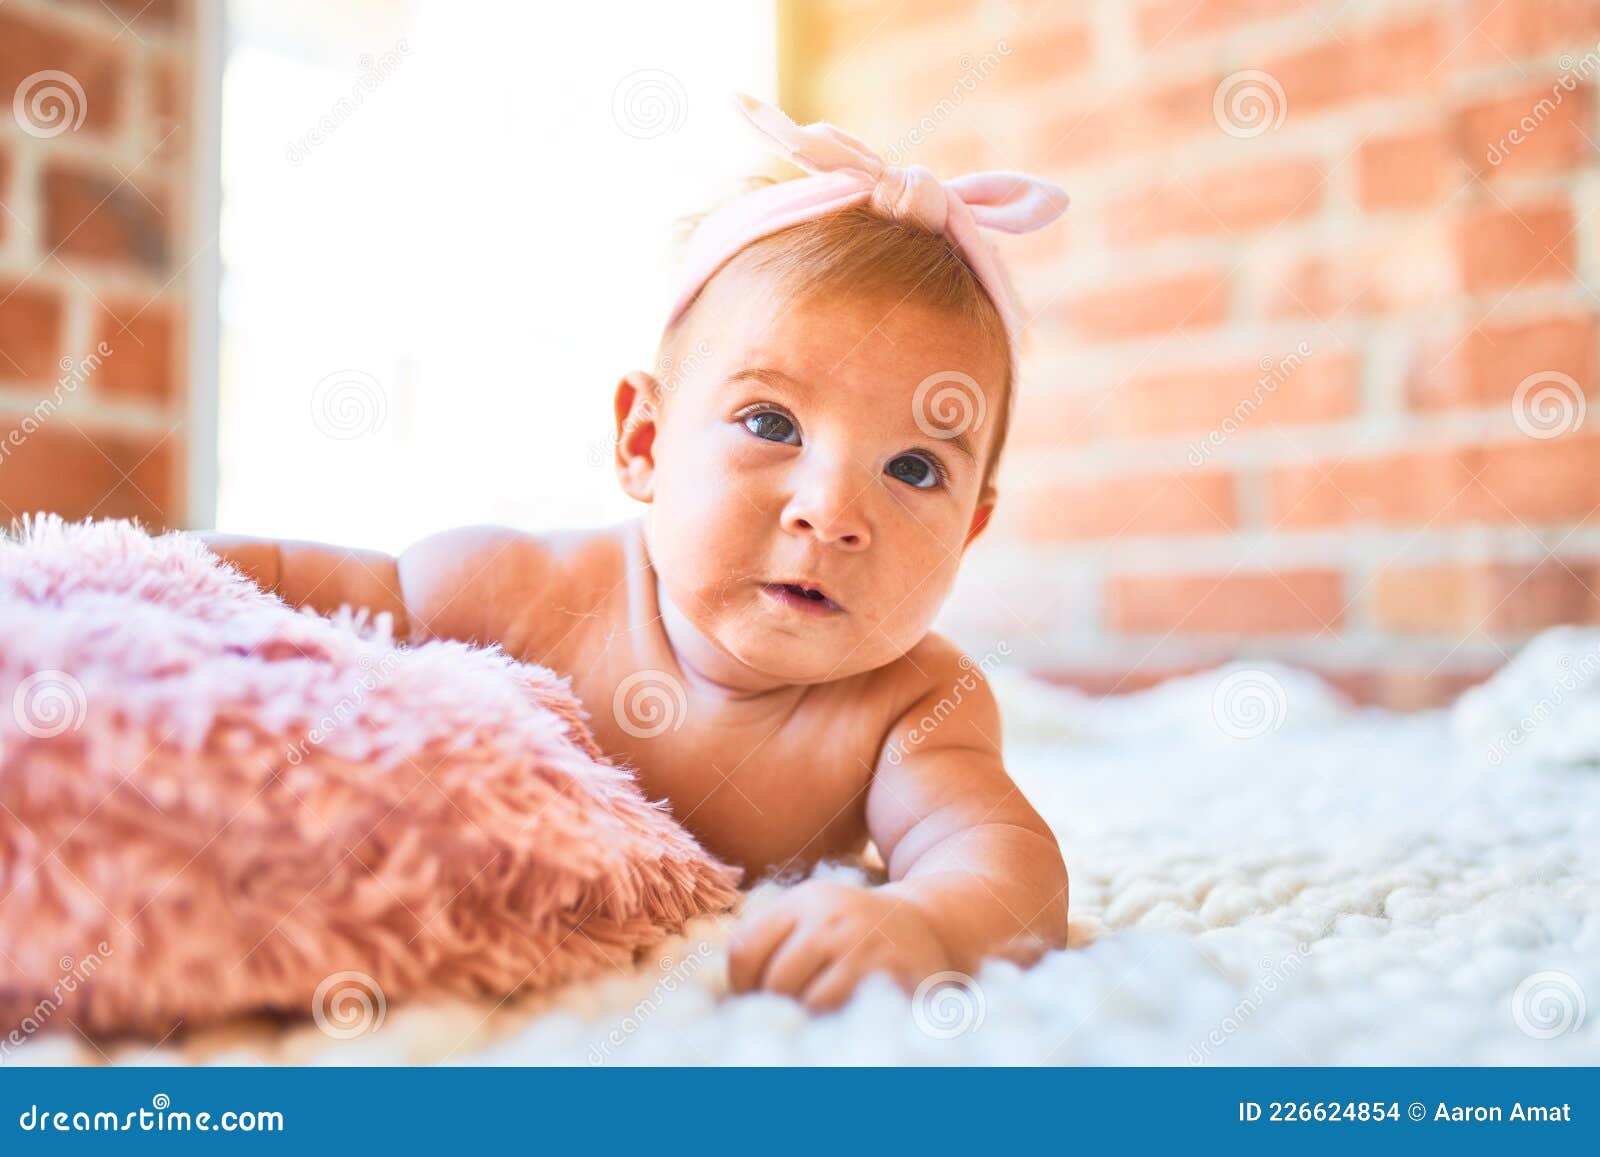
(1260,874)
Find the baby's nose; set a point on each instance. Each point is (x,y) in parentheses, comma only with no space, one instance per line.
(831,515)
(832,532)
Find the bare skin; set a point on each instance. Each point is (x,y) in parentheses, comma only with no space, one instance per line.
(788,736)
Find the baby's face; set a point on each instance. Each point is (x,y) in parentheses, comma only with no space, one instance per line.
(837,440)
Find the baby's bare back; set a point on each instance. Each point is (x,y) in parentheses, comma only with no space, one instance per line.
(772,782)
(768,782)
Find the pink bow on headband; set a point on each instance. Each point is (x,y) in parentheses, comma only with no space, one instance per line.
(846,172)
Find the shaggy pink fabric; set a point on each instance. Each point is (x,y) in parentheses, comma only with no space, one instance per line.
(223,802)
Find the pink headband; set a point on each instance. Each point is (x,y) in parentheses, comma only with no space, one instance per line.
(846,172)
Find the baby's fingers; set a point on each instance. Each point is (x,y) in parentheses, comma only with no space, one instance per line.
(796,961)
(833,986)
(752,945)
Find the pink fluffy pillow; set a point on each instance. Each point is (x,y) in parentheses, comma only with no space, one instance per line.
(226,804)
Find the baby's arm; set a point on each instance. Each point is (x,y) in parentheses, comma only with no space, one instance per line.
(458,584)
(317,575)
(974,872)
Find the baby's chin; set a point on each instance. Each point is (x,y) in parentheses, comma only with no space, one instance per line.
(823,653)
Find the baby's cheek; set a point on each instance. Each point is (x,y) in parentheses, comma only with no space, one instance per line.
(696,501)
(920,592)
(935,569)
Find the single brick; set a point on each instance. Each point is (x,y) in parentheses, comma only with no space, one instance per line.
(1540,128)
(30,333)
(1320,387)
(1487,597)
(1235,201)
(79,472)
(1406,170)
(102,216)
(1505,248)
(142,365)
(1150,308)
(1133,506)
(1241,603)
(1485,365)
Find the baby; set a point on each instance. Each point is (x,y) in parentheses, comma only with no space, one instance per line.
(808,502)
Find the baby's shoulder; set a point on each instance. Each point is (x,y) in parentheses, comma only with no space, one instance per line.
(937,674)
(486,584)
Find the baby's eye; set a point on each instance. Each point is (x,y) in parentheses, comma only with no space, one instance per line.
(770,425)
(915,470)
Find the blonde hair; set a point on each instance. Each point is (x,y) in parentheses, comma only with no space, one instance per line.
(856,250)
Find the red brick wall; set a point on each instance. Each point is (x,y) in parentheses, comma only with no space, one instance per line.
(93,170)
(1317,210)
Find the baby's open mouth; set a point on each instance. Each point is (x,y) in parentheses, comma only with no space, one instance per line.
(802,596)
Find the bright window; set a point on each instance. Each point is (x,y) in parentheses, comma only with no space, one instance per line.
(445,237)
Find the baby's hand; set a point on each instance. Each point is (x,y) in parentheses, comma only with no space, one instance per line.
(821,939)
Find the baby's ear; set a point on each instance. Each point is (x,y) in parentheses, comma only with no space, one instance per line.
(635,407)
(981,516)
